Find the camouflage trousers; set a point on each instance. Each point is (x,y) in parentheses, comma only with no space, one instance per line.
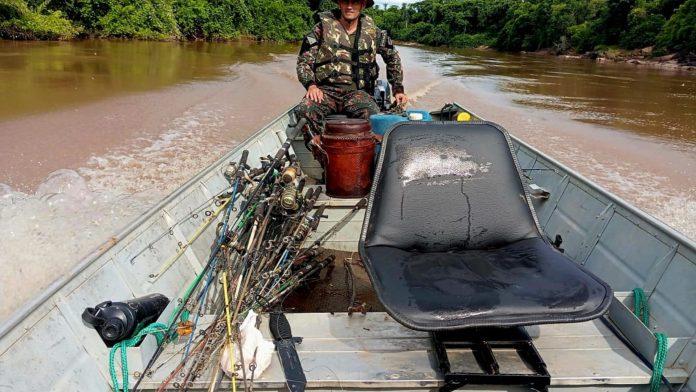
(355,104)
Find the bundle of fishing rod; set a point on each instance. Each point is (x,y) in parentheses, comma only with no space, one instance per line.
(261,253)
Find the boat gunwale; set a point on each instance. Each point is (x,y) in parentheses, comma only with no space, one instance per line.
(23,312)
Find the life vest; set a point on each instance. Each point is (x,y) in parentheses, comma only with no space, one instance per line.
(339,61)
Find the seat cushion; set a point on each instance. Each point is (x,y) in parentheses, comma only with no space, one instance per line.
(526,282)
(452,186)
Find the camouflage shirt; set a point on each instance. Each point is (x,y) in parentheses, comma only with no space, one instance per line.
(306,60)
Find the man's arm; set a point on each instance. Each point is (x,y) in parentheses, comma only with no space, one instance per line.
(307,57)
(395,73)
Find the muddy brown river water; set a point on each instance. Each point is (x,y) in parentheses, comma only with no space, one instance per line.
(93,133)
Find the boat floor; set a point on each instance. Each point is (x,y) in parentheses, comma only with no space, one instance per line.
(373,352)
(342,285)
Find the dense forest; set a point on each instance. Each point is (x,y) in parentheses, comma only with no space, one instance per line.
(559,25)
(155,19)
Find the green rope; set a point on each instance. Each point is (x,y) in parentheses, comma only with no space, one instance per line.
(640,306)
(157,329)
(642,311)
(659,363)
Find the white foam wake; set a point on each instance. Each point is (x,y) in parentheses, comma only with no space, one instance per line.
(73,211)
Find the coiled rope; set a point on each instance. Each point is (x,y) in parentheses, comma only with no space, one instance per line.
(642,311)
(157,329)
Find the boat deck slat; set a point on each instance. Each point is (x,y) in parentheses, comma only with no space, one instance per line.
(374,351)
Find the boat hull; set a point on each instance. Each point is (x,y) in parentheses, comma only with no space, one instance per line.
(621,244)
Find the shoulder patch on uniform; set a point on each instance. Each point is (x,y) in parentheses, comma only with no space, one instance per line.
(384,40)
(308,43)
(388,42)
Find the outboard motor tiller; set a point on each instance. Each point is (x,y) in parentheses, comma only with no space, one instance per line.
(117,321)
(382,94)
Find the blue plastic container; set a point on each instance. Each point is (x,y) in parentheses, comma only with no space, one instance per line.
(381,123)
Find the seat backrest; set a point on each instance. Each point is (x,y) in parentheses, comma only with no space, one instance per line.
(448,186)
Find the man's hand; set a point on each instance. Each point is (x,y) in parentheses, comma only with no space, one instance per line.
(315,94)
(401,99)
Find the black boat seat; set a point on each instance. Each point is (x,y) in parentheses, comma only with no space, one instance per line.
(451,240)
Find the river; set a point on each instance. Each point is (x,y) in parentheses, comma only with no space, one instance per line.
(94,132)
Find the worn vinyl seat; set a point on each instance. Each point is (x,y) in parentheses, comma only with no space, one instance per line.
(451,240)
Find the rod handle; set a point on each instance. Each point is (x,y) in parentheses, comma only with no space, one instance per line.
(317,193)
(319,213)
(243,159)
(361,204)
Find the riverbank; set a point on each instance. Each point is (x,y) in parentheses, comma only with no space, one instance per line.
(508,25)
(642,57)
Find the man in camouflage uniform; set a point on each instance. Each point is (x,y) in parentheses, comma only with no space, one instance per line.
(337,65)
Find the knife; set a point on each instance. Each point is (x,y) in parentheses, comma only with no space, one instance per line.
(285,344)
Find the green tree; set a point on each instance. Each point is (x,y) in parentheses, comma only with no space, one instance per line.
(560,25)
(142,19)
(192,17)
(679,33)
(643,28)
(19,21)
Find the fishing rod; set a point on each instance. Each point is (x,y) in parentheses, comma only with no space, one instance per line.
(264,260)
(308,201)
(300,277)
(227,206)
(335,228)
(270,170)
(198,209)
(280,289)
(291,242)
(197,280)
(275,163)
(203,294)
(183,247)
(169,231)
(293,208)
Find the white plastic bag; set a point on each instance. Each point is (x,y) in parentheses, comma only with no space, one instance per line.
(252,342)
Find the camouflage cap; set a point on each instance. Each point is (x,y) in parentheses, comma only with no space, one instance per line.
(368,3)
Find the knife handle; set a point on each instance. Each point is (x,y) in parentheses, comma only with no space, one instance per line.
(279,326)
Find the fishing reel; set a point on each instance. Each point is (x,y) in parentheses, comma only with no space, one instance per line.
(291,173)
(235,171)
(311,222)
(290,198)
(230,171)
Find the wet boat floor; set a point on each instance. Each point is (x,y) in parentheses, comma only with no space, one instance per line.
(343,286)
